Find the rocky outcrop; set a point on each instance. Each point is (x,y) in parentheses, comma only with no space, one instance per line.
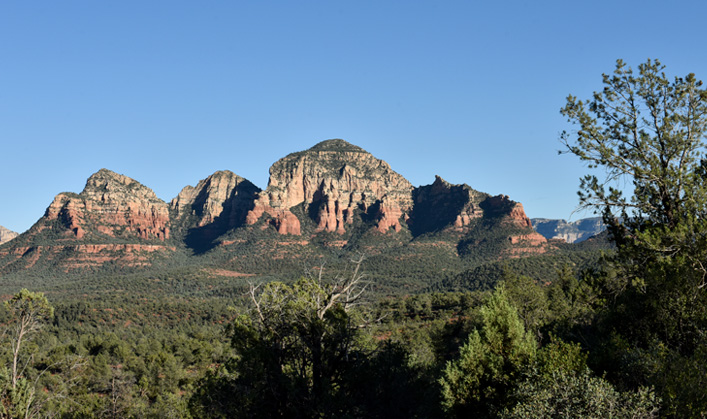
(220,202)
(511,211)
(570,232)
(528,244)
(444,206)
(284,221)
(512,214)
(6,235)
(332,181)
(114,219)
(111,205)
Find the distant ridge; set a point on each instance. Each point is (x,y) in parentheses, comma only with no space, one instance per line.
(571,232)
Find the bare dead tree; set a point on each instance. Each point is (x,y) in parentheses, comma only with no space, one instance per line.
(346,289)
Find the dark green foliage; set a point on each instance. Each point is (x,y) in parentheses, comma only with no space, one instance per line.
(531,302)
(489,363)
(149,348)
(142,341)
(293,352)
(540,268)
(560,385)
(573,303)
(487,239)
(580,395)
(391,384)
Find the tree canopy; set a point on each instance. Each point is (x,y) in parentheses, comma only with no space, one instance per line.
(648,131)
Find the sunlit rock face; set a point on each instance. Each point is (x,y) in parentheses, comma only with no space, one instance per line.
(332,195)
(114,219)
(333,180)
(114,205)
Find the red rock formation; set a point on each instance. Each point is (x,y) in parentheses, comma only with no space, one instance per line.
(284,221)
(517,216)
(532,239)
(339,179)
(444,206)
(113,205)
(113,217)
(513,212)
(223,196)
(389,215)
(335,183)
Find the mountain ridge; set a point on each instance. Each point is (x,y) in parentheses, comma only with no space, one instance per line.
(334,195)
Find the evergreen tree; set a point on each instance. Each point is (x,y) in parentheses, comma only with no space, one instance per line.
(493,358)
(647,133)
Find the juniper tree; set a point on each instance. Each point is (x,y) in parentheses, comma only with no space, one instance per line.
(490,362)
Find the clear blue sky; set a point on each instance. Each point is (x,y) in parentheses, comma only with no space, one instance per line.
(168,92)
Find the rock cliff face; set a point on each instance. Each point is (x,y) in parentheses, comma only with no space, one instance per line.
(6,235)
(333,180)
(571,232)
(223,196)
(502,205)
(512,214)
(217,204)
(112,205)
(442,205)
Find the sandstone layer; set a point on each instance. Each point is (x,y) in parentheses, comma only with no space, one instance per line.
(78,256)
